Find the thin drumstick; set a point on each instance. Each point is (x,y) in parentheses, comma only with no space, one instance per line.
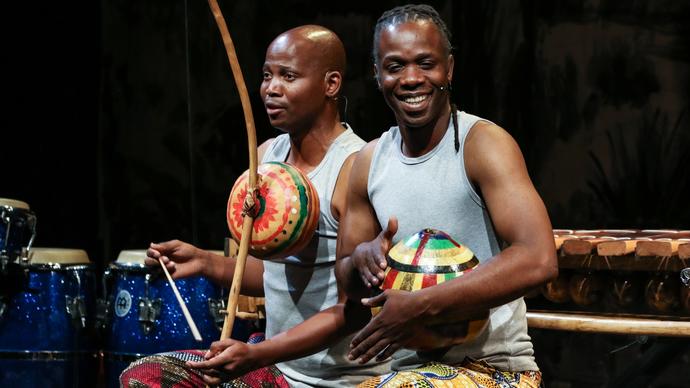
(183,306)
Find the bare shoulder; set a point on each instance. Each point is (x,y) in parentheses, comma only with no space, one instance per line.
(338,199)
(365,154)
(359,175)
(491,151)
(484,134)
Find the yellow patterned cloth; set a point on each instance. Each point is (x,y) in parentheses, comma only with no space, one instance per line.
(470,374)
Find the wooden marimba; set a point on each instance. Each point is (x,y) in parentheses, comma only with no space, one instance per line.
(617,281)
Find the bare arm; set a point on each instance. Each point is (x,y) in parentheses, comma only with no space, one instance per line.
(495,164)
(359,224)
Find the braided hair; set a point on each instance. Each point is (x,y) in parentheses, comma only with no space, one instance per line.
(411,13)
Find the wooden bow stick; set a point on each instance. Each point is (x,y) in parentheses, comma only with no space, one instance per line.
(248,220)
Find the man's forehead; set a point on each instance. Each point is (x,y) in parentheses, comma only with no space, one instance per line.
(410,38)
(286,52)
(418,31)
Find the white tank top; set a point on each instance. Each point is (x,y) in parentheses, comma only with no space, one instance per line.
(297,288)
(433,191)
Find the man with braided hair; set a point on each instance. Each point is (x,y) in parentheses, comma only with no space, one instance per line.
(449,170)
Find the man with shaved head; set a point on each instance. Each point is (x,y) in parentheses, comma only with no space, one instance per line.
(306,324)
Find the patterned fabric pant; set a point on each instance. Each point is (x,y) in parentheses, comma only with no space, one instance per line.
(168,370)
(470,374)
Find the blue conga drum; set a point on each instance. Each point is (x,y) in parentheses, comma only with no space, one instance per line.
(46,329)
(145,318)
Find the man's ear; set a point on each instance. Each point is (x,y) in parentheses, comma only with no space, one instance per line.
(451,65)
(376,77)
(334,80)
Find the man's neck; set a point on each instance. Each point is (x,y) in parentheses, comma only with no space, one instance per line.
(308,147)
(419,141)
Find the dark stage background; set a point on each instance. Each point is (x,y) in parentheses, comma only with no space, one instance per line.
(123,125)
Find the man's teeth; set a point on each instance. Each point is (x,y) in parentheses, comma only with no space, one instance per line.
(416,99)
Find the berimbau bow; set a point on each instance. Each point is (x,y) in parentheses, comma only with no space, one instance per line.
(248,214)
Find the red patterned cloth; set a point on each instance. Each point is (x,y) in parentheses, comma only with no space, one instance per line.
(169,370)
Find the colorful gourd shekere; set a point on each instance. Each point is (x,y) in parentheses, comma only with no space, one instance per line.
(427,258)
(287,211)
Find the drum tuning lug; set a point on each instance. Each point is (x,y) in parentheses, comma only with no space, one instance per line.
(218,311)
(24,260)
(3,307)
(4,260)
(149,309)
(76,308)
(102,313)
(685,276)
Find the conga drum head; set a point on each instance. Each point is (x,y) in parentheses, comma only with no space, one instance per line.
(286,211)
(14,203)
(133,258)
(58,256)
(423,260)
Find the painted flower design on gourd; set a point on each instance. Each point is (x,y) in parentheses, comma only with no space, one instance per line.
(286,211)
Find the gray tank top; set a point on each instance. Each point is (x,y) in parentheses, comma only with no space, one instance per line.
(433,191)
(298,287)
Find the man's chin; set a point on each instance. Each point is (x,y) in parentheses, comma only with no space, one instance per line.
(278,124)
(415,122)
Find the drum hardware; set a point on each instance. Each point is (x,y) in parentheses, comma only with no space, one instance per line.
(103,308)
(148,313)
(4,260)
(15,217)
(103,305)
(75,306)
(4,254)
(3,306)
(23,258)
(248,308)
(149,309)
(218,310)
(24,262)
